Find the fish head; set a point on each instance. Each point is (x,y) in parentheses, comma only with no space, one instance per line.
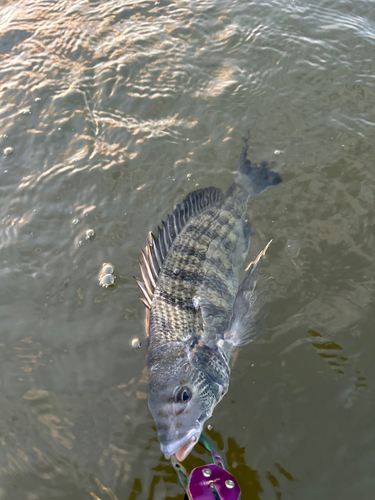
(181,398)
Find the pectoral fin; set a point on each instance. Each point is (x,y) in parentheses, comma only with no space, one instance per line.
(250,305)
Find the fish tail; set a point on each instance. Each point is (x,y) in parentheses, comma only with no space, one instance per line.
(251,178)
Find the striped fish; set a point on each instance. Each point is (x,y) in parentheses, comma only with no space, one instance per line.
(196,310)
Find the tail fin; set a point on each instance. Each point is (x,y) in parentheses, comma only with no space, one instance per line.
(250,305)
(251,177)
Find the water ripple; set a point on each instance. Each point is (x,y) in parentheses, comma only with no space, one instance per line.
(114,111)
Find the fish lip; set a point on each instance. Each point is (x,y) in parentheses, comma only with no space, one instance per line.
(172,448)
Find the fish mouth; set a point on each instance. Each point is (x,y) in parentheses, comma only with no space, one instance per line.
(182,447)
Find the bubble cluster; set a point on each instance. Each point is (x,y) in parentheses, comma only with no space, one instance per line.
(107,280)
(136,343)
(90,233)
(106,276)
(108,268)
(8,151)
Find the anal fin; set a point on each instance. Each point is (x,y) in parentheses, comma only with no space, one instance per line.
(250,305)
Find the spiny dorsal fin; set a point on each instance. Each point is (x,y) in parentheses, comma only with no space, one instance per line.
(157,248)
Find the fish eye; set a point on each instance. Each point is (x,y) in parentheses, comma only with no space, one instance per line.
(182,394)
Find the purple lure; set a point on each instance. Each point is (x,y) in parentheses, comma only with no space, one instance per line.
(209,482)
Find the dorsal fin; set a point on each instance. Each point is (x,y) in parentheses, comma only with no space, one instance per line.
(157,248)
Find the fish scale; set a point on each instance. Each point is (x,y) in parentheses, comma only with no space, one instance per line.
(196,311)
(173,296)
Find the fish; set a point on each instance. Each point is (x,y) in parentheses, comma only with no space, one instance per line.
(197,312)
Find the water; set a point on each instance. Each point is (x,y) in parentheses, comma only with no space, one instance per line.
(115,111)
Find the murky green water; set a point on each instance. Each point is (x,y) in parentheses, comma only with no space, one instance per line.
(115,111)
